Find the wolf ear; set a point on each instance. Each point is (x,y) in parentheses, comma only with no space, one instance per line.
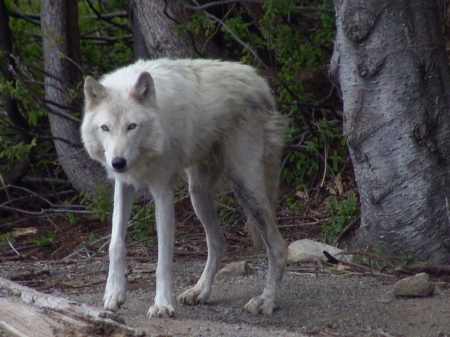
(144,87)
(93,91)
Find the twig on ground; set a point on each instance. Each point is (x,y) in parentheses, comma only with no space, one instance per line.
(376,256)
(334,260)
(105,238)
(345,231)
(53,208)
(12,247)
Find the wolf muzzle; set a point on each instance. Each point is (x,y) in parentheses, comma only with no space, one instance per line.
(118,163)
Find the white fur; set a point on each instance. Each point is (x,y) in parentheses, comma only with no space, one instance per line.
(148,122)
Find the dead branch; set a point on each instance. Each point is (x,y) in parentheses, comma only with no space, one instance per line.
(106,18)
(262,2)
(198,7)
(345,231)
(424,267)
(52,207)
(38,314)
(376,256)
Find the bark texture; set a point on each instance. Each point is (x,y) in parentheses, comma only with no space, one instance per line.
(391,63)
(155,30)
(59,23)
(157,21)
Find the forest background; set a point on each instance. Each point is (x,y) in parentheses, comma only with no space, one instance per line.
(290,42)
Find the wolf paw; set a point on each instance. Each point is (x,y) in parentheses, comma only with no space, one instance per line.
(115,294)
(114,299)
(261,305)
(194,296)
(161,311)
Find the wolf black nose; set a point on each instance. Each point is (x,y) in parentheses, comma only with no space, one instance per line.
(118,163)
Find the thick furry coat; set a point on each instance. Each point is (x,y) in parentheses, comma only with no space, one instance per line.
(149,121)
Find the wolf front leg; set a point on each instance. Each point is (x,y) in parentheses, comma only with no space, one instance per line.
(165,224)
(116,286)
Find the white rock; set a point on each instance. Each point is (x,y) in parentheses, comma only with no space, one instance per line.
(234,269)
(305,250)
(415,286)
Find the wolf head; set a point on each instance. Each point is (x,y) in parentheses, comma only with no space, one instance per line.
(121,125)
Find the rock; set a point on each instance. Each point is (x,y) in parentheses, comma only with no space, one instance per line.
(305,250)
(417,286)
(234,269)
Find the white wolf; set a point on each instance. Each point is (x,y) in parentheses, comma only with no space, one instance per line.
(147,122)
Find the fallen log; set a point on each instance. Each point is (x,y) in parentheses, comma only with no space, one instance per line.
(425,267)
(27,312)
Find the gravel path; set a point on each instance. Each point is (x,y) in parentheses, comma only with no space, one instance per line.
(314,301)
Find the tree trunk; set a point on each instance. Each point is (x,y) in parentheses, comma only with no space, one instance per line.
(157,22)
(10,103)
(59,23)
(391,63)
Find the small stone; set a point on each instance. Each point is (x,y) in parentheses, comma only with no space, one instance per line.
(304,250)
(415,286)
(234,269)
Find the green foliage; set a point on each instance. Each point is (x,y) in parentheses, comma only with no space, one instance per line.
(16,151)
(229,209)
(45,240)
(100,56)
(105,45)
(303,163)
(398,253)
(373,256)
(91,238)
(143,230)
(368,256)
(14,91)
(94,242)
(341,213)
(100,204)
(198,24)
(293,204)
(73,218)
(7,237)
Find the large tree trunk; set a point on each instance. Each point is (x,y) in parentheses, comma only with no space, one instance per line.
(157,22)
(7,65)
(391,63)
(59,23)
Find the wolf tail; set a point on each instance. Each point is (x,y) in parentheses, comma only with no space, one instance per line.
(274,133)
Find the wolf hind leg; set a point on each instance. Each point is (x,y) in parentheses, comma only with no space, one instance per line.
(259,210)
(202,179)
(273,140)
(246,168)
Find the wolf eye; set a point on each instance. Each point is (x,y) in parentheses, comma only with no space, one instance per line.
(132,126)
(104,127)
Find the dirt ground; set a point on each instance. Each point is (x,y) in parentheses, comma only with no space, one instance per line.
(315,301)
